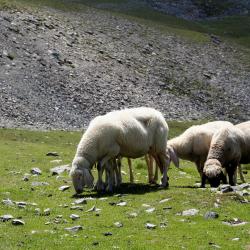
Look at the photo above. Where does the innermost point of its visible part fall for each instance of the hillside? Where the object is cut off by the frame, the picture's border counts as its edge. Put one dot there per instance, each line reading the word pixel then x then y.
pixel 60 67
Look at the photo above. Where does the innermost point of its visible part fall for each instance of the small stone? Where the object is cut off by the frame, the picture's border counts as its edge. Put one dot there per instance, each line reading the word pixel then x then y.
pixel 163 224
pixel 52 154
pixel 37 211
pixel 122 204
pixel 95 243
pixel 211 215
pixel 21 203
pixel 107 234
pixel 36 171
pixel 46 212
pixel 118 224
pixel 150 210
pixel 74 229
pixel 234 222
pixel 150 226
pixel 146 205
pixel 60 169
pixel 164 200
pixel 8 202
pixel 225 188
pixel 17 222
pixel 93 209
pixel 80 201
pixel 6 217
pixel 63 188
pixel 190 212
pixel 74 216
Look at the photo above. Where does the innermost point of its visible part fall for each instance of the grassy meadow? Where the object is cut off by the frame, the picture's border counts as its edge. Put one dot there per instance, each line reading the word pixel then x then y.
pixel 22 150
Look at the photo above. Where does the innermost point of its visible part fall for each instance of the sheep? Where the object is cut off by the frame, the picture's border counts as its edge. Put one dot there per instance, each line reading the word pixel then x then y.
pixel 245 158
pixel 227 150
pixel 193 144
pixel 128 133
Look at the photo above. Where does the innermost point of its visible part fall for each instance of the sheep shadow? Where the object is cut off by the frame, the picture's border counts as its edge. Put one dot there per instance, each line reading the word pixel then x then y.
pixel 124 189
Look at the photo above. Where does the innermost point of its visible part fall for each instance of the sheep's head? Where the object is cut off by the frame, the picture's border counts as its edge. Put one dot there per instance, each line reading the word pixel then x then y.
pixel 172 156
pixel 213 172
pixel 81 174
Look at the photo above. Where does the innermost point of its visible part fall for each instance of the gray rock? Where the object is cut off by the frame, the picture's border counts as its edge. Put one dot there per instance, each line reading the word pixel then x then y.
pixel 8 202
pixel 74 228
pixel 190 212
pixel 80 201
pixel 74 216
pixel 6 217
pixel 17 222
pixel 225 188
pixel 211 215
pixel 77 208
pixel 36 171
pixel 26 177
pixel 46 212
pixel 60 169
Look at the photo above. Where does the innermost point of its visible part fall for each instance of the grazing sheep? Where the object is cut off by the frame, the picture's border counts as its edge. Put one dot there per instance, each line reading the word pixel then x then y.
pixel 193 144
pixel 245 158
pixel 128 133
pixel 227 148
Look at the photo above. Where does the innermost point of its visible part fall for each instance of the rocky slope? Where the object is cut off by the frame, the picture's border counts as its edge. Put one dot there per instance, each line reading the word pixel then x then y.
pixel 60 69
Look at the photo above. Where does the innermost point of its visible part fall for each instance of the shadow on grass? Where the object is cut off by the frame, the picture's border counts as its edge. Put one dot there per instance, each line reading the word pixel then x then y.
pixel 125 188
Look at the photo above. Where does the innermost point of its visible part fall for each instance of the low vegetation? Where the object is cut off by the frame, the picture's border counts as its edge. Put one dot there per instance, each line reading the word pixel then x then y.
pixel 22 150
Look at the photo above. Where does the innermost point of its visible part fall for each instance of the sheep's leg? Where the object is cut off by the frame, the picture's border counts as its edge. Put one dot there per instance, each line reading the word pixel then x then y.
pixel 231 170
pixel 110 169
pixel 131 175
pixel 163 159
pixel 117 172
pixel 100 186
pixel 200 165
pixel 150 173
pixel 241 174
pixel 156 174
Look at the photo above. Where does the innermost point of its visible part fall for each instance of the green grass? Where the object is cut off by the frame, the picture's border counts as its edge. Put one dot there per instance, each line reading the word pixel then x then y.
pixel 22 150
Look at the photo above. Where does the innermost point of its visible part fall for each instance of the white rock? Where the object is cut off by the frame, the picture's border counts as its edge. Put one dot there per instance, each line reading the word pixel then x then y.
pixel 74 229
pixel 36 171
pixel 46 211
pixel 122 204
pixel 8 202
pixel 74 216
pixel 190 212
pixel 63 188
pixel 16 222
pixel 150 210
pixel 150 226
pixel 80 201
pixel 118 224
pixel 6 217
pixel 164 200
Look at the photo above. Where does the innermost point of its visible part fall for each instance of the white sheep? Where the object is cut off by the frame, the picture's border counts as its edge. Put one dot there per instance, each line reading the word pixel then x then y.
pixel 128 133
pixel 193 144
pixel 227 148
pixel 245 158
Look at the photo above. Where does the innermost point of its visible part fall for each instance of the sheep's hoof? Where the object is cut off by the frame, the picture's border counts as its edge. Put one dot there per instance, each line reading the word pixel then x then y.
pixel 99 187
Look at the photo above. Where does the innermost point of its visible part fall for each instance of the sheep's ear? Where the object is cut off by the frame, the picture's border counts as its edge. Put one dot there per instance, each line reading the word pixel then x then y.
pixel 88 178
pixel 173 156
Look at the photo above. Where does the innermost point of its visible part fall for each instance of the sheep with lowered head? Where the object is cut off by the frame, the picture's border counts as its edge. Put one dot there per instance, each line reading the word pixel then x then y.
pixel 226 151
pixel 128 133
pixel 193 144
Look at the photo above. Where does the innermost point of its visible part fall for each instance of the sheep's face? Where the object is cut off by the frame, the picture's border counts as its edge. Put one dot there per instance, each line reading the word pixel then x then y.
pixel 213 172
pixel 81 174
